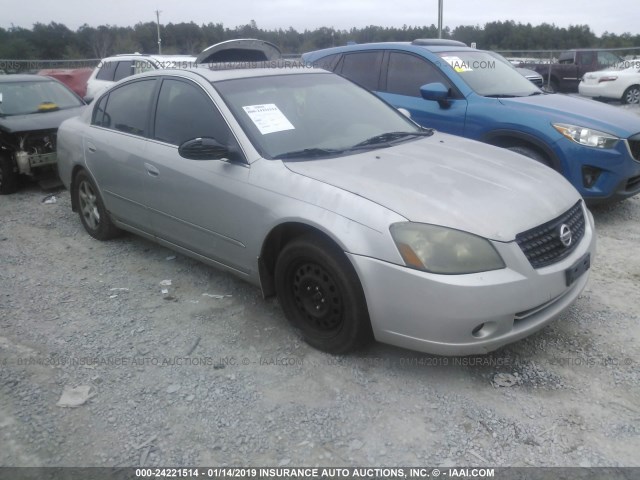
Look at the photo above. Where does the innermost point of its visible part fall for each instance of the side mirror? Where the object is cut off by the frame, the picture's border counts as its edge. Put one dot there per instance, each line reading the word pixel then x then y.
pixel 204 148
pixel 437 92
pixel 87 99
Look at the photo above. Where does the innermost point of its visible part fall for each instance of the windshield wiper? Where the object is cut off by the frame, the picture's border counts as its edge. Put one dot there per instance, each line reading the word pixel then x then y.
pixel 310 153
pixel 385 138
pixel 534 93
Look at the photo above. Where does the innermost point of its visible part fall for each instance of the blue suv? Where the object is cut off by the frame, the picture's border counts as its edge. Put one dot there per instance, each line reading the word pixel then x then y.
pixel 477 94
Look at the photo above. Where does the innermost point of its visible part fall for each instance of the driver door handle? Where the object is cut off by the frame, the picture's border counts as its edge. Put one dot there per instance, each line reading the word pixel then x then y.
pixel 151 170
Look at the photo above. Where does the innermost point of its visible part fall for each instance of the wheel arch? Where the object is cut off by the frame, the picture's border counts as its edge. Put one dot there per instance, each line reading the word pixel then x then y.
pixel 509 138
pixel 72 185
pixel 273 244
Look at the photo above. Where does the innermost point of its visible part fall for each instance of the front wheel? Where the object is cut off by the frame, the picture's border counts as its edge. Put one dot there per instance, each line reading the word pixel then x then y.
pixel 93 214
pixel 631 95
pixel 321 294
pixel 8 176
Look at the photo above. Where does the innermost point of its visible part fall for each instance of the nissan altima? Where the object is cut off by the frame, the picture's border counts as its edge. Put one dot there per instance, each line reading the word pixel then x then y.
pixel 365 225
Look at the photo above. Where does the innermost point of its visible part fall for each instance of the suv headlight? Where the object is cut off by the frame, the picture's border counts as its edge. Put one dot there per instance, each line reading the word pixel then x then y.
pixel 586 136
pixel 444 250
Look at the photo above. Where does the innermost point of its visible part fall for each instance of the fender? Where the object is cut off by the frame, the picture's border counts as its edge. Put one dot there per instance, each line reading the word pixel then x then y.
pixel 509 138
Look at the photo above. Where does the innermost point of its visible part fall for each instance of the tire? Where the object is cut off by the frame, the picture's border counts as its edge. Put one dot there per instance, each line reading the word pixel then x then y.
pixel 550 87
pixel 93 214
pixel 631 95
pixel 8 176
pixel 321 295
pixel 533 154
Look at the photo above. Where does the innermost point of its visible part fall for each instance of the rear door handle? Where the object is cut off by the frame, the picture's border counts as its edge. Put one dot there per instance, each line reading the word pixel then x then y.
pixel 91 147
pixel 151 170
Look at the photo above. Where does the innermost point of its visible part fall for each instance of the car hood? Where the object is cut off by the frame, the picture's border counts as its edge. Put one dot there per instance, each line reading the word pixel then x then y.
pixel 558 108
pixel 453 182
pixel 37 121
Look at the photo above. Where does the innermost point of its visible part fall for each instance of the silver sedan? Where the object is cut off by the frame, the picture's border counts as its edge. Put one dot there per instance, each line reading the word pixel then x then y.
pixel 364 224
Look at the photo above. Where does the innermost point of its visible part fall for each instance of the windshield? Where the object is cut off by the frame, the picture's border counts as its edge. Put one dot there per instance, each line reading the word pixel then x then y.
pixel 488 75
pixel 21 98
pixel 312 115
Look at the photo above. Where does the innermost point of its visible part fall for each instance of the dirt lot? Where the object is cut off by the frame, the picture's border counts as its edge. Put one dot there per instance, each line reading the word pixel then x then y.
pixel 210 374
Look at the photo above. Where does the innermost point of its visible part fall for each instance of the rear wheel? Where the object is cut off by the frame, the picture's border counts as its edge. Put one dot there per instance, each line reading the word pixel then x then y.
pixel 631 95
pixel 93 214
pixel 531 153
pixel 8 176
pixel 321 294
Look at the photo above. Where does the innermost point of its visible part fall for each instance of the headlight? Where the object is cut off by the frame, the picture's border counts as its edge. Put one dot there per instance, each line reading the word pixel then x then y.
pixel 610 78
pixel 444 250
pixel 586 136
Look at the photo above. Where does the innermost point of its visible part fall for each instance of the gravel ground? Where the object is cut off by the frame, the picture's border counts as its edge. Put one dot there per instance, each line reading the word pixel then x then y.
pixel 210 374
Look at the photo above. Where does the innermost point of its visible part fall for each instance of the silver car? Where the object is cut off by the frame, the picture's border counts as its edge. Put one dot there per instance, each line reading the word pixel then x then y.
pixel 364 224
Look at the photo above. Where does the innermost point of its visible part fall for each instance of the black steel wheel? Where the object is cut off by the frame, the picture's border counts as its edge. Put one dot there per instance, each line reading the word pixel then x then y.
pixel 321 295
pixel 93 214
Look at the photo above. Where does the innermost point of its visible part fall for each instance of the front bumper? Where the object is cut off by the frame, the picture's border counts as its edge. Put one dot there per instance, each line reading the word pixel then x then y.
pixel 27 161
pixel 468 314
pixel 617 171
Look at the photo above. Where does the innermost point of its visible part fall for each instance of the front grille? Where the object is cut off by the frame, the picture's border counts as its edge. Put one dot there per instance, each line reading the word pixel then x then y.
pixel 537 81
pixel 634 146
pixel 542 245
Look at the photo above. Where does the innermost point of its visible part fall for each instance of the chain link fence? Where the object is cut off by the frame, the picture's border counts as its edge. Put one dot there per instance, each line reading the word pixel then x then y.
pixel 618 57
pixel 9 66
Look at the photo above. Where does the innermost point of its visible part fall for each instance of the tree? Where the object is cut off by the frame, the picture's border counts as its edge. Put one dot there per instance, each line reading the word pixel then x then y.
pixel 54 40
pixel 51 41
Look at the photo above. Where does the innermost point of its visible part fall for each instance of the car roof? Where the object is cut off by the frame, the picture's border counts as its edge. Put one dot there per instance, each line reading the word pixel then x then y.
pixel 25 77
pixel 415 46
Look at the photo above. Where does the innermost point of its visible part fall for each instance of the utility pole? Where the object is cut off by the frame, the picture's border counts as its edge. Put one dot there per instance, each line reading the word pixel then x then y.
pixel 159 39
pixel 440 18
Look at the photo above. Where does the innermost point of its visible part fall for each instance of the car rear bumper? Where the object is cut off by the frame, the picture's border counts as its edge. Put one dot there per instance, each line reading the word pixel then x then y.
pixel 468 314
pixel 600 90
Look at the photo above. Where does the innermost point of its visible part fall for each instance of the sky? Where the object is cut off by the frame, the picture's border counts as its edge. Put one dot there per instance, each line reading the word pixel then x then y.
pixel 615 16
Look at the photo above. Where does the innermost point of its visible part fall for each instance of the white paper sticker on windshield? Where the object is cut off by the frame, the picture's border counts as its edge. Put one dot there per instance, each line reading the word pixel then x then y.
pixel 458 64
pixel 268 118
